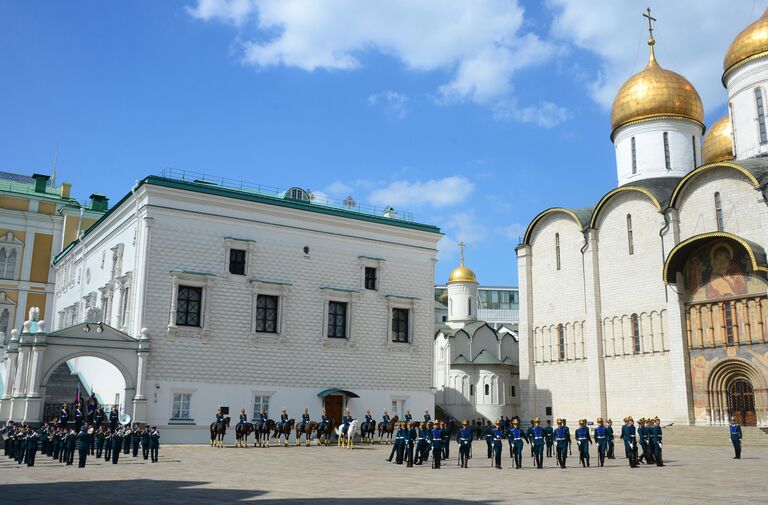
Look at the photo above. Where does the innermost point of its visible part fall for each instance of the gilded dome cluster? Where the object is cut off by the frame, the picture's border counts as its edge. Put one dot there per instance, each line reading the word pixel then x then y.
pixel 748 45
pixel 718 142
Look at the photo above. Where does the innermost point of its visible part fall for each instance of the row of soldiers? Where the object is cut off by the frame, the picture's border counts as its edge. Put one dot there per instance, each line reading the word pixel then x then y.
pixel 21 443
pixel 413 442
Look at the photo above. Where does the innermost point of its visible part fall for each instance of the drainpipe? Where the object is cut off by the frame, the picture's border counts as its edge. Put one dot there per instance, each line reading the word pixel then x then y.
pixel 663 254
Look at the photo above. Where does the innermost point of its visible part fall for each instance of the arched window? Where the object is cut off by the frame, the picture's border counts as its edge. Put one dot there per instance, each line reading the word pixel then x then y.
pixel 728 317
pixel 4 321
pixel 3 262
pixel 761 115
pixel 733 126
pixel 487 390
pixel 630 237
pixel 634 156
pixel 10 266
pixel 557 250
pixel 719 213
pixel 560 342
pixel 667 162
pixel 635 334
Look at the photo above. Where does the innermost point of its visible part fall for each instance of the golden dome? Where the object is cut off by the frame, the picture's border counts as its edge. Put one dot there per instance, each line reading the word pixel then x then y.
pixel 752 41
pixel 718 142
pixel 462 273
pixel 655 92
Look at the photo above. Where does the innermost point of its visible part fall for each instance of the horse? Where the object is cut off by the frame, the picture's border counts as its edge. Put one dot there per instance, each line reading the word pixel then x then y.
pixel 349 434
pixel 308 429
pixel 241 433
pixel 367 431
pixel 262 433
pixel 387 429
pixel 286 430
pixel 324 434
pixel 218 430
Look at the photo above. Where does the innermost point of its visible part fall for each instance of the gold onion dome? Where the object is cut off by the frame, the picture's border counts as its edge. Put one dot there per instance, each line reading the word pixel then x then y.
pixel 462 273
pixel 751 42
pixel 655 93
pixel 718 142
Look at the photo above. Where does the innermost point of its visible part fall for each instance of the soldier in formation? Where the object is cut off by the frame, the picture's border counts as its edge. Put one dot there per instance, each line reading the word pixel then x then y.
pixel 464 439
pixel 583 439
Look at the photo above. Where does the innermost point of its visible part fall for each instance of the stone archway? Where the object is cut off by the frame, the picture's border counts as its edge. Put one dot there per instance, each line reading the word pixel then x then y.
pixel 736 389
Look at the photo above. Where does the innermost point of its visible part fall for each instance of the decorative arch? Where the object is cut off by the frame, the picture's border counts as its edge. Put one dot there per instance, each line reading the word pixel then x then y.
pixel 128 376
pixel 542 215
pixel 673 201
pixel 620 190
pixel 722 375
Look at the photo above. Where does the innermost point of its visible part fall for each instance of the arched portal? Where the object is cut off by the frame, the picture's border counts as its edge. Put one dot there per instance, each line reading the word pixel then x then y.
pixel 741 402
pixel 736 389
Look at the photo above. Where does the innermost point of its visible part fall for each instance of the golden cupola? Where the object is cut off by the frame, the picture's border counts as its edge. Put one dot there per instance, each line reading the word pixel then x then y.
pixel 718 142
pixel 462 273
pixel 653 93
pixel 750 44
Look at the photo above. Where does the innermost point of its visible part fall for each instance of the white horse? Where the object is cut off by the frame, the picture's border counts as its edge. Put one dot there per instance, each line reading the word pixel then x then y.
pixel 349 434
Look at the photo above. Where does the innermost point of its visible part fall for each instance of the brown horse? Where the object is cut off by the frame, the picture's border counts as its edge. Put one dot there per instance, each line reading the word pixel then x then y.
pixel 307 432
pixel 285 431
pixel 262 435
pixel 218 431
pixel 241 433
pixel 324 435
pixel 387 429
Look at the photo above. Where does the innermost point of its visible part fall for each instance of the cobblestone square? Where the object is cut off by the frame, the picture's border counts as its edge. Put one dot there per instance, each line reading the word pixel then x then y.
pixel 332 475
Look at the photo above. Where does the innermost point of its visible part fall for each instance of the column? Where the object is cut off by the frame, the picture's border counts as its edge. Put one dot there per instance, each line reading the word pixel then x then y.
pixel 594 337
pixel 528 400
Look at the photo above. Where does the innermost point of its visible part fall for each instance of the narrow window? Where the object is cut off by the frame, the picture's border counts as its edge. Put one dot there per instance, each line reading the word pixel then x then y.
pixel 634 156
pixel 695 160
pixel 667 162
pixel 266 313
pixel 469 306
pixel 189 302
pixel 337 320
pixel 630 238
pixel 4 322
pixel 635 334
pixel 124 311
pixel 181 403
pixel 761 115
pixel 400 325
pixel 557 250
pixel 719 213
pixel 733 126
pixel 487 390
pixel 237 261
pixel 512 390
pixel 370 278
pixel 471 389
pixel 728 318
pixel 560 341
pixel 3 263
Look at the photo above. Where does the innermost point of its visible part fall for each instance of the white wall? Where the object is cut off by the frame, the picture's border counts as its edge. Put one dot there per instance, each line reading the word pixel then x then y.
pixel 741 86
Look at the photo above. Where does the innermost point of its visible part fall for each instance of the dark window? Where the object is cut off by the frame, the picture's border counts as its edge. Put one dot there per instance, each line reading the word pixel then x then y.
pixel 695 160
pixel 400 325
pixel 560 341
pixel 188 304
pixel 469 305
pixel 337 320
pixel 548 411
pixel 719 213
pixel 728 316
pixel 667 161
pixel 237 261
pixel 557 250
pixel 487 389
pixel 635 334
pixel 634 156
pixel 370 278
pixel 471 389
pixel 512 390
pixel 266 313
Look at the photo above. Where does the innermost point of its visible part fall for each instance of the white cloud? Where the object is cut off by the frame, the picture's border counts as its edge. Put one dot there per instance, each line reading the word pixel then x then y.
pixel 481 43
pixel 338 189
pixel 691 39
pixel 511 232
pixel 394 104
pixel 545 114
pixel 434 192
pixel 465 227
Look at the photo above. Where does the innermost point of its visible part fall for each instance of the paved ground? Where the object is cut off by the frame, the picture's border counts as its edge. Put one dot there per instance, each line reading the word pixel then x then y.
pixel 332 475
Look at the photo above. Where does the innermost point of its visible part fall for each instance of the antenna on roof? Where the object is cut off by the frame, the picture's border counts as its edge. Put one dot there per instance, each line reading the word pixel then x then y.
pixel 55 159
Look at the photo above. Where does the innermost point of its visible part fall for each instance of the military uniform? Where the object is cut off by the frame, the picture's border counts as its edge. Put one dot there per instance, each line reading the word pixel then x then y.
pixel 113 419
pixel 427 417
pixel 78 419
pixel 437 446
pixel 413 434
pixel 108 445
pixel 304 421
pixel 63 417
pixel 516 438
pixel 70 444
pixel 401 439
pixel 656 437
pixel 464 439
pixel 117 445
pixel 243 418
pixel 422 444
pixel 83 445
pixel 408 417
pixel 154 444
pixel 445 437
pixel 135 440
pixel 99 436
pixel 630 443
pixel 582 441
pixel 735 433
pixel 498 437
pixel 562 441
pixel 488 434
pixel 537 440
pixel 145 441
pixel 33 438
pixel 609 429
pixel 601 439
pixel 642 435
pixel 549 434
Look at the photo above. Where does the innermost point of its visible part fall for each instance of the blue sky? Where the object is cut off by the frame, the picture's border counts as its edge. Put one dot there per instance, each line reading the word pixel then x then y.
pixel 475 116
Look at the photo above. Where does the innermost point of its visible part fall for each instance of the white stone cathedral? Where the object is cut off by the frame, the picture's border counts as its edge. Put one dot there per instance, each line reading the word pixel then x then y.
pixel 653 300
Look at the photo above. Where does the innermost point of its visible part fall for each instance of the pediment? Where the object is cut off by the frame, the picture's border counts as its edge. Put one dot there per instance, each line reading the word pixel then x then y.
pixel 10 238
pixel 108 333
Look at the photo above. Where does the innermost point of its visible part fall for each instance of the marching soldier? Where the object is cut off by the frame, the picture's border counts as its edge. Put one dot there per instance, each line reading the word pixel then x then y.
pixel 651 446
pixel 83 445
pixel 44 440
pixel 154 443
pixel 437 445
pixel 422 444
pixel 127 435
pixel 582 441
pixel 398 448
pixel 99 441
pixel 656 436
pixel 570 441
pixel 516 437
pixel 529 434
pixel 64 416
pixel 71 444
pixel 488 435
pixel 601 439
pixel 609 430
pixel 642 440
pixel 630 443
pixel 498 437
pixel 549 433
pixel 413 434
pixel 464 438
pixel 445 437
pixel 539 436
pixel 735 432
pixel 136 439
pixel 21 444
pixel 145 441
pixel 562 442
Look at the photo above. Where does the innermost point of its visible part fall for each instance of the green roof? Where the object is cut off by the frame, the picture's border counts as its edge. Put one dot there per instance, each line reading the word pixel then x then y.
pixel 16 184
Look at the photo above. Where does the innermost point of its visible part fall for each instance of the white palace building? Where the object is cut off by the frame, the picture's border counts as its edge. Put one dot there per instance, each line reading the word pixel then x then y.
pixel 654 300
pixel 205 296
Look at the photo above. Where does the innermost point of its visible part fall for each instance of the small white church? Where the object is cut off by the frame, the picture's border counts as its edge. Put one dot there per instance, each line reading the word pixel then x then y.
pixel 476 372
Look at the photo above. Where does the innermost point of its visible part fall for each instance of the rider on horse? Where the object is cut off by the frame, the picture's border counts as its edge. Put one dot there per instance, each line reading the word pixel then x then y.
pixel 243 417
pixel 219 417
pixel 408 416
pixel 304 419
pixel 323 421
pixel 262 419
pixel 283 419
pixel 385 418
pixel 369 418
pixel 345 420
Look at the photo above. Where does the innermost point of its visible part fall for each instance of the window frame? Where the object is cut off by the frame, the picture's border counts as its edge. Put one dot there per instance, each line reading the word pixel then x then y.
pixel 557 252
pixel 695 154
pixel 266 310
pixel 762 129
pixel 242 244
pixel 394 333
pixel 667 156
pixel 366 279
pixel 561 343
pixel 630 236
pixel 635 333
pixel 278 289
pixel 13 247
pixel 262 396
pixel 173 419
pixel 201 280
pixel 719 217
pixel 351 298
pixel 199 312
pixel 371 262
pixel 634 155
pixel 337 304
pixel 729 323
pixel 242 264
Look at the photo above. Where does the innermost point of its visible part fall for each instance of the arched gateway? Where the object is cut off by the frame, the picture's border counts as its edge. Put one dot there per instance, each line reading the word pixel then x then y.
pixel 32 356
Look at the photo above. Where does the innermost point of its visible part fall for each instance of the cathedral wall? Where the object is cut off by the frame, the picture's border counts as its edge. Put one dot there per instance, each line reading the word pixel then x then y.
pixel 561 386
pixel 742 102
pixel 638 385
pixel 744 212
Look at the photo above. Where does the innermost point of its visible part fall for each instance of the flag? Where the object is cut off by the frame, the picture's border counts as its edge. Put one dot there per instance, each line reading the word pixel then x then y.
pixel 77 395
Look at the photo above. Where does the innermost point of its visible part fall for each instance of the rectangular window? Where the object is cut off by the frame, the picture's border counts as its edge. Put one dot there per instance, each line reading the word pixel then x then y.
pixel 260 402
pixel 188 305
pixel 337 320
pixel 728 317
pixel 634 156
pixel 560 341
pixel 557 250
pixel 237 261
pixel 370 278
pixel 548 411
pixel 761 115
pixel 635 334
pixel 398 408
pixel 266 313
pixel 667 162
pixel 719 213
pixel 512 391
pixel 400 325
pixel 471 390
pixel 630 236
pixel 695 160
pixel 181 403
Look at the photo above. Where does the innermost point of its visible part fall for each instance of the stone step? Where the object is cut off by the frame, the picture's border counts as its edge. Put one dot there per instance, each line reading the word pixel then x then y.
pixel 713 436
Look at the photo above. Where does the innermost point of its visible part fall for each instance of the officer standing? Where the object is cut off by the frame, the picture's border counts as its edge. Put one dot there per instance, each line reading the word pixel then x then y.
pixel 488 434
pixel 657 439
pixel 630 443
pixel 413 434
pixel 609 430
pixel 71 442
pixel 154 443
pixel 562 441
pixel 601 439
pixel 98 417
pixel 539 436
pixel 422 447
pixel 549 437
pixel 136 439
pixel 516 437
pixel 78 418
pixel 464 438
pixel 582 441
pixel 99 436
pixel 529 434
pixel 113 418
pixel 445 436
pixel 145 441
pixel 44 440
pixel 64 416
pixel 83 445
pixel 735 432
pixel 437 445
